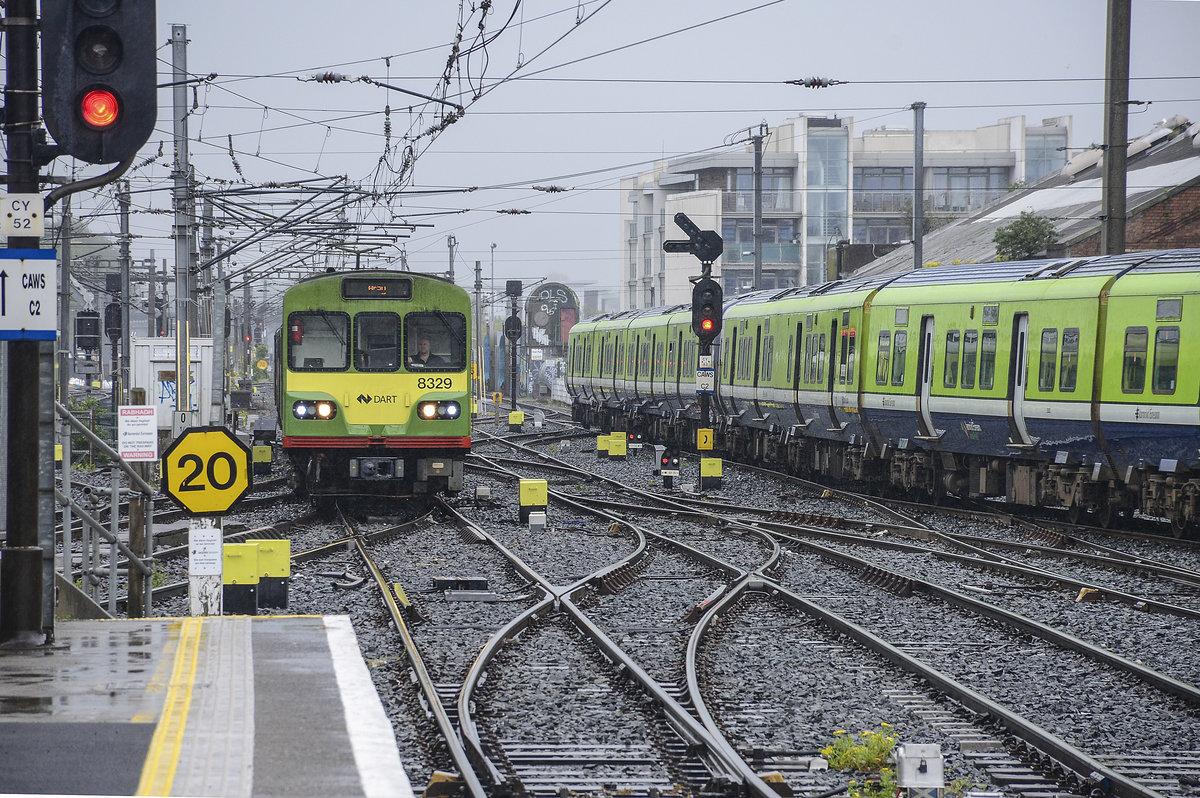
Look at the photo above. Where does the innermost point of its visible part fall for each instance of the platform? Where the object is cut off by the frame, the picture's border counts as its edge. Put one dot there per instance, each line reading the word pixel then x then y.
pixel 218 706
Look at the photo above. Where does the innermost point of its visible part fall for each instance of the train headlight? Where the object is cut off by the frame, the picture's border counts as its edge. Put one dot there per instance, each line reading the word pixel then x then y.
pixel 305 409
pixel 438 410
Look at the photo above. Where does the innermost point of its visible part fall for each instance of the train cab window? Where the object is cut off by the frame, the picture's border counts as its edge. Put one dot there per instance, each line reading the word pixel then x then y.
pixel 883 357
pixel 950 367
pixel 376 341
pixel 1048 359
pixel 987 360
pixel 1166 359
pixel 1133 367
pixel 318 340
pixel 899 354
pixel 1068 369
pixel 436 341
pixel 970 352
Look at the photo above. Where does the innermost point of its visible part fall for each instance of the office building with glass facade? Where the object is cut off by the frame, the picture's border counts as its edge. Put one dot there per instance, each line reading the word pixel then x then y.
pixel 820 185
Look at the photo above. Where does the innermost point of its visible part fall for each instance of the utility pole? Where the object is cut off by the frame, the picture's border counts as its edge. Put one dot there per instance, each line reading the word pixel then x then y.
pixel 479 333
pixel 491 358
pixel 918 231
pixel 207 317
pixel 126 293
pixel 183 399
pixel 758 233
pixel 65 340
pixel 21 572
pixel 151 298
pixel 1116 128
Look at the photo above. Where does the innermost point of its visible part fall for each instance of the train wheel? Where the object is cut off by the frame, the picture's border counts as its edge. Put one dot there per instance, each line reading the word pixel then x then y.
pixel 1075 512
pixel 1109 515
pixel 1179 522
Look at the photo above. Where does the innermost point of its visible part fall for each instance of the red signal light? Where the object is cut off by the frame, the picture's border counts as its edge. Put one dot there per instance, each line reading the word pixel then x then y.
pixel 100 108
pixel 706 325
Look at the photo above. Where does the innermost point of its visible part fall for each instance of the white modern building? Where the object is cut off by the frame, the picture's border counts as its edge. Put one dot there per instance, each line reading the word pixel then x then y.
pixel 820 185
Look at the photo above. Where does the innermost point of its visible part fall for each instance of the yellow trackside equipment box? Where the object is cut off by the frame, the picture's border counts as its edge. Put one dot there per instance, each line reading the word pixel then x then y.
pixel 262 458
pixel 534 494
pixel 515 419
pixel 602 445
pixel 617 446
pixel 274 572
pixel 239 577
pixel 710 472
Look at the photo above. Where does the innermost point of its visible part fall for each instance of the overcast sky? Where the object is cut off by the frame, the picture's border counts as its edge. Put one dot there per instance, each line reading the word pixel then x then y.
pixel 586 124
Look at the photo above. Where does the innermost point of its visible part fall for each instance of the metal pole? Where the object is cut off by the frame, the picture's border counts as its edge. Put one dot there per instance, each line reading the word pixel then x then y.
pixel 478 334
pixel 758 233
pixel 21 579
pixel 126 295
pixel 151 299
pixel 183 401
pixel 1116 128
pixel 451 241
pixel 512 359
pixel 492 381
pixel 65 338
pixel 918 231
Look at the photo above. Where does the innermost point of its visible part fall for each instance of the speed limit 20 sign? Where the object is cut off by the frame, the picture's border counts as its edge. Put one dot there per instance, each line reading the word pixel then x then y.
pixel 206 470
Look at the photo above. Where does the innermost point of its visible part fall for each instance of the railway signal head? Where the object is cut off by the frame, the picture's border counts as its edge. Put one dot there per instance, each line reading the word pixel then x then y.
pixel 707 299
pixel 100 76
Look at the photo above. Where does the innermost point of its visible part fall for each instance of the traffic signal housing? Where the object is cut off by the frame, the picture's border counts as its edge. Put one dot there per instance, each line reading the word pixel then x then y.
pixel 707 302
pixel 87 330
pixel 99 76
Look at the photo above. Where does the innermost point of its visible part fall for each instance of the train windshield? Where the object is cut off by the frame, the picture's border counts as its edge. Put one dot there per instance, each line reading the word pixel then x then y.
pixel 318 340
pixel 376 341
pixel 435 341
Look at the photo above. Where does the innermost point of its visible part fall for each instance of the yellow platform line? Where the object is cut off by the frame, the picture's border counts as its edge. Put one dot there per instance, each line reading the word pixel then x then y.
pixel 158 772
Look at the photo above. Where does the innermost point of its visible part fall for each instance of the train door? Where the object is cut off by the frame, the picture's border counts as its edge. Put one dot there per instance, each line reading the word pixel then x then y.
pixel 1017 373
pixel 757 366
pixel 731 360
pixel 675 375
pixel 831 373
pixel 636 393
pixel 925 377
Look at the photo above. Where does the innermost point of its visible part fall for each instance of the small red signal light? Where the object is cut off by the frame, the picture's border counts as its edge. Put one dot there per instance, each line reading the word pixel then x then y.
pixel 707 324
pixel 100 108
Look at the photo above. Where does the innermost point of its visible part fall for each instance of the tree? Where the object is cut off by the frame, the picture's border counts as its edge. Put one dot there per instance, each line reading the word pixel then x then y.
pixel 1028 235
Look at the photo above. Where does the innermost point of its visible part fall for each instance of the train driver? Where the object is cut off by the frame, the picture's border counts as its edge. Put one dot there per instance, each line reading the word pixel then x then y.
pixel 424 355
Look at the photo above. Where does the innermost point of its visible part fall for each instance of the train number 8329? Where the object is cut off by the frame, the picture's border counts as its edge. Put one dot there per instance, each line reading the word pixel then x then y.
pixel 434 383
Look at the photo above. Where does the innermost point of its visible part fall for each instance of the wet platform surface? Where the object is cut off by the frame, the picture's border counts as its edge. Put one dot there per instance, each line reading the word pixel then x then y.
pixel 219 706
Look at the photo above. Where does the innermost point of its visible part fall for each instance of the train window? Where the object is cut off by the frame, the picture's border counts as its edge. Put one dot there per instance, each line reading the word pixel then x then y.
pixel 899 353
pixel 318 340
pixel 644 365
pixel 436 341
pixel 987 360
pixel 901 317
pixel 883 357
pixel 1068 370
pixel 991 314
pixel 1166 359
pixel 844 359
pixel 1048 360
pixel 629 364
pixel 1133 368
pixel 820 362
pixel 672 371
pixel 376 341
pixel 1169 309
pixel 970 351
pixel 768 357
pixel 950 367
pixel 850 362
pixel 658 359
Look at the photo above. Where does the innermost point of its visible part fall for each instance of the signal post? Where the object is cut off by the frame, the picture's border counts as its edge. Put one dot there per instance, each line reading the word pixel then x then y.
pixel 707 304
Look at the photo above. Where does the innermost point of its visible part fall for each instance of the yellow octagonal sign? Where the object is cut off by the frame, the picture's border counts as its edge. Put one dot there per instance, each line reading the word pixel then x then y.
pixel 206 470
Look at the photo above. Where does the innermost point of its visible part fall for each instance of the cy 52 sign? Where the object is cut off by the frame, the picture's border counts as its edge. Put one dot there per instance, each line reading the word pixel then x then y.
pixel 206 470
